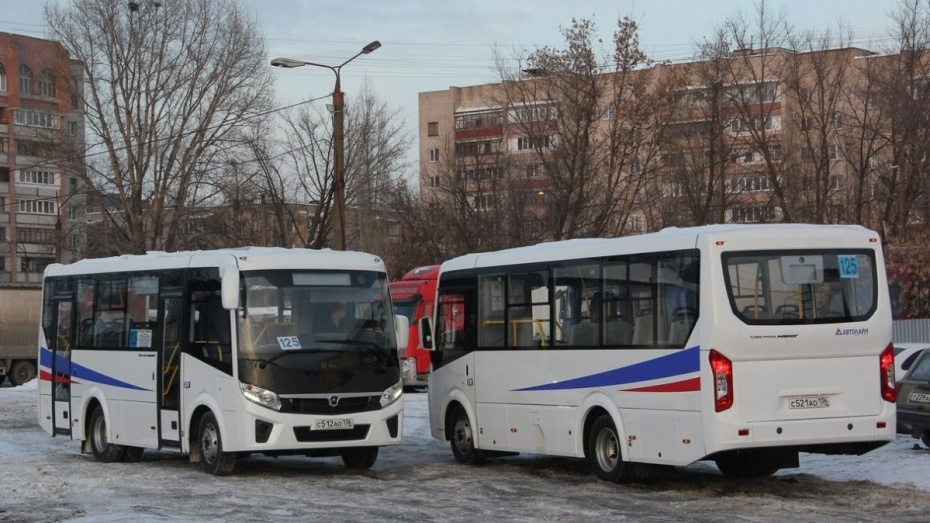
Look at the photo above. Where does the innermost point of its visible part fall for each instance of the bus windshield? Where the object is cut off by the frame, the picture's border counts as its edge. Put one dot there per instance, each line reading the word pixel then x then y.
pixel 296 321
pixel 801 286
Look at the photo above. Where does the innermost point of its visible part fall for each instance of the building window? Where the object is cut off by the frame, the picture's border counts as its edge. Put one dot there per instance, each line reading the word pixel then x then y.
pixel 836 122
pixel 5 174
pixel 2 78
pixel 432 129
pixel 610 113
pixel 527 143
pixel 40 149
pixel 479 120
pixel 636 223
pixel 48 207
pixel 75 96
pixel 37 236
pixel 29 264
pixel 37 177
pixel 33 118
pixel 25 80
pixel 836 152
pixel 47 83
pixel 837 181
pixel 748 214
pixel 3 261
pixel 72 128
pixel 434 181
pixel 433 155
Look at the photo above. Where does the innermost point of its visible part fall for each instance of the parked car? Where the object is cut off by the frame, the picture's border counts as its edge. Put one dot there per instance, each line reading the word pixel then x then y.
pixel 914 399
pixel 904 356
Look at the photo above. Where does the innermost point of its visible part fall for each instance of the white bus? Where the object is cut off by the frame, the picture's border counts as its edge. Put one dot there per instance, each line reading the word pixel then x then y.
pixel 734 343
pixel 221 354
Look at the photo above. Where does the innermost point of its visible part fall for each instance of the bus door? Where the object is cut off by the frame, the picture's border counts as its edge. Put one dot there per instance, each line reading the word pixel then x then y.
pixel 59 340
pixel 170 305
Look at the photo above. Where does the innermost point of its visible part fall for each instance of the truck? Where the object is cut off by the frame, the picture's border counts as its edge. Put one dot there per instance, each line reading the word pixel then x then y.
pixel 19 331
pixel 413 297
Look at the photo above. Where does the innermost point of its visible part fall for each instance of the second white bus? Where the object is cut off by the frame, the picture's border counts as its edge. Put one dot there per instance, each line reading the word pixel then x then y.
pixel 740 344
pixel 221 354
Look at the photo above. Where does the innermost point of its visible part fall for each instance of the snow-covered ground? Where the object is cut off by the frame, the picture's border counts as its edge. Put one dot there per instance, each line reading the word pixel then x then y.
pixel 47 479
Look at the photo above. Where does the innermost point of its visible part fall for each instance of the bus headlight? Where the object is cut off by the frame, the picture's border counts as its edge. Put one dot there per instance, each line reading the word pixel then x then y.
pixel 261 396
pixel 391 394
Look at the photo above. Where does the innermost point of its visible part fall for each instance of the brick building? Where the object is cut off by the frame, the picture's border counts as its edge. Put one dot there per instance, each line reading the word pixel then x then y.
pixel 40 125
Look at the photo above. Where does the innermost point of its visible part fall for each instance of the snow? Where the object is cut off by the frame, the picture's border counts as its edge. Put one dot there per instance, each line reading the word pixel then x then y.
pixel 44 478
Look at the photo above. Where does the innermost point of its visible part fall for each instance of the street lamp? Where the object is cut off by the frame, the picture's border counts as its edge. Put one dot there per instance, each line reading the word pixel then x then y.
pixel 339 228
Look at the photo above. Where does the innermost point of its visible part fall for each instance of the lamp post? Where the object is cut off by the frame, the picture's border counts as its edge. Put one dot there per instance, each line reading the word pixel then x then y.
pixel 339 226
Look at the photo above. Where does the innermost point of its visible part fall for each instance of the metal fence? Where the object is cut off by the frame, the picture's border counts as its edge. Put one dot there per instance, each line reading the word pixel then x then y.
pixel 911 331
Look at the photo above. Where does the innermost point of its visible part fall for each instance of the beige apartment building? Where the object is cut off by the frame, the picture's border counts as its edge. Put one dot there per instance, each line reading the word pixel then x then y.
pixel 758 136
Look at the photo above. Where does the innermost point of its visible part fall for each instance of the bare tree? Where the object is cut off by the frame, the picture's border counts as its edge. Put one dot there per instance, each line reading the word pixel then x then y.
pixel 902 90
pixel 167 86
pixel 296 172
pixel 593 123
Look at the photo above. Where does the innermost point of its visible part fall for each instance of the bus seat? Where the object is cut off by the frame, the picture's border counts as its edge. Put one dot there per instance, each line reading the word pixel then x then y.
pixel 584 333
pixel 643 333
pixel 786 311
pixel 618 332
pixel 681 326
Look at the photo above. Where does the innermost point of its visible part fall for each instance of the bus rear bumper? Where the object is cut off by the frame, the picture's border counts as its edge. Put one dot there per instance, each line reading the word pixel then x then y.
pixel 848 435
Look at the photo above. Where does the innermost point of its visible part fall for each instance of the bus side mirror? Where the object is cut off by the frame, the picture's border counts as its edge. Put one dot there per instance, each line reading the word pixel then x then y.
pixel 229 288
pixel 401 332
pixel 426 333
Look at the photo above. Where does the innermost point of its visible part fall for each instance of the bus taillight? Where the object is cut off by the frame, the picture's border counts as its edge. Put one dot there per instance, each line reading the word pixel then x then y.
pixel 886 361
pixel 722 368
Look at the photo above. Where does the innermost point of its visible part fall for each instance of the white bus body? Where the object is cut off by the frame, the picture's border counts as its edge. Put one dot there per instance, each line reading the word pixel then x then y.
pixel 738 344
pixel 222 353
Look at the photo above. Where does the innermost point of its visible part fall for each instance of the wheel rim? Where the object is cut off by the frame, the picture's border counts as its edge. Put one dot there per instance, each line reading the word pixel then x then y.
pixel 607 449
pixel 461 435
pixel 100 433
pixel 209 443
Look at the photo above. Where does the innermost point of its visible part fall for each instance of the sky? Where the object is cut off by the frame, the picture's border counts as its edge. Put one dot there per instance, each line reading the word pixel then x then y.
pixel 429 46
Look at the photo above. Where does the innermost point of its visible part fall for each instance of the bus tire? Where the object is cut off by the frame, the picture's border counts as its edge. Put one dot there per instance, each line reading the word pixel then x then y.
pixel 213 459
pixel 103 450
pixel 359 457
pixel 925 437
pixel 735 465
pixel 604 450
pixel 22 371
pixel 461 439
pixel 133 454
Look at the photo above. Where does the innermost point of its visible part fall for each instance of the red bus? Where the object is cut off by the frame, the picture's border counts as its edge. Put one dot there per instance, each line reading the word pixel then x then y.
pixel 413 297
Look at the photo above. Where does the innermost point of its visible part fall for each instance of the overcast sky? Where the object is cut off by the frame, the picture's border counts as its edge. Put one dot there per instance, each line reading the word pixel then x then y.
pixel 431 45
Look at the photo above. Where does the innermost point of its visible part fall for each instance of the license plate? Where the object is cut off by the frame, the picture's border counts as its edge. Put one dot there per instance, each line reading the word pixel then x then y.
pixel 333 424
pixel 920 397
pixel 808 402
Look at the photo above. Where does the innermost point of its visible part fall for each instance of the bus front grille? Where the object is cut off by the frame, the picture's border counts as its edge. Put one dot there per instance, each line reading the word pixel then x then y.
pixel 325 407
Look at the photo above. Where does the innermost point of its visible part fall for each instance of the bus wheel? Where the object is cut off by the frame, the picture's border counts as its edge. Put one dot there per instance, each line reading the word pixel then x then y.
pixel 212 457
pixel 133 454
pixel 22 371
pixel 359 457
pixel 604 450
pixel 103 450
pixel 925 437
pixel 462 439
pixel 746 466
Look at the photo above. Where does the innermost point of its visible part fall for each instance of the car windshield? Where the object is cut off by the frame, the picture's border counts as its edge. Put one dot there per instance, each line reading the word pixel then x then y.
pixel 801 286
pixel 921 370
pixel 292 312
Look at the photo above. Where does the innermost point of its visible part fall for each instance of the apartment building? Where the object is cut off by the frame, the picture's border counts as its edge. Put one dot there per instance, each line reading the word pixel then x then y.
pixel 764 135
pixel 41 124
